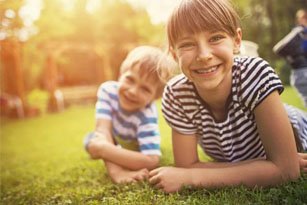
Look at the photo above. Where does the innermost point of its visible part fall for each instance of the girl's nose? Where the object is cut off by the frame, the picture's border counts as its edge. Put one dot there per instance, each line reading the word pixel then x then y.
pixel 204 53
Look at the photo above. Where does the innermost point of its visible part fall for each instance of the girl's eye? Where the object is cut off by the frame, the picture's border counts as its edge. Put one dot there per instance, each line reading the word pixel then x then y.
pixel 216 38
pixel 186 45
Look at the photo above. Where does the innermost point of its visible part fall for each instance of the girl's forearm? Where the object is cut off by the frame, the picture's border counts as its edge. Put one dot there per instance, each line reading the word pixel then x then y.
pixel 255 173
pixel 215 164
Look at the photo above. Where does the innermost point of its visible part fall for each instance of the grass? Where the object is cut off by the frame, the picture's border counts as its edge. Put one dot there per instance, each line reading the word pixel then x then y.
pixel 43 162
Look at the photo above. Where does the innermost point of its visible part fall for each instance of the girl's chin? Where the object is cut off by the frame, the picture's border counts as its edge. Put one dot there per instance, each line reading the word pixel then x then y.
pixel 207 85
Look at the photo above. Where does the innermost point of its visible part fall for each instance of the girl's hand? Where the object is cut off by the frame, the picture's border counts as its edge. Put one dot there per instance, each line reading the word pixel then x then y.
pixel 303 161
pixel 169 179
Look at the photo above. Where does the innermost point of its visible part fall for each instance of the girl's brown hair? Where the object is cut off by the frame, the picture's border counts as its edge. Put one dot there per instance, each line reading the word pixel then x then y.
pixel 193 16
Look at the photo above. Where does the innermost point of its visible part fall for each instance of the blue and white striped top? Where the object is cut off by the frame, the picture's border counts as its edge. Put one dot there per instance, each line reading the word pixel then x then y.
pixel 236 138
pixel 140 126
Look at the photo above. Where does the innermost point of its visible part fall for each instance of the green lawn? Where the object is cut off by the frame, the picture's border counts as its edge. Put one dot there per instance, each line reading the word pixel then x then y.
pixel 43 162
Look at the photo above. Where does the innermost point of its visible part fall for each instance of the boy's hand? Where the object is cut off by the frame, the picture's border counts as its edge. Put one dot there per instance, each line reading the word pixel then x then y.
pixel 303 161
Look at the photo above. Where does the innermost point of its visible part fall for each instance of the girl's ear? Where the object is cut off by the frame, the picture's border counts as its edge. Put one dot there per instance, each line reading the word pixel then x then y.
pixel 173 53
pixel 238 40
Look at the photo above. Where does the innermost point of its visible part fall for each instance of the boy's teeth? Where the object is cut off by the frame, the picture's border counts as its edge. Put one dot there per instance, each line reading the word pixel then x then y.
pixel 208 70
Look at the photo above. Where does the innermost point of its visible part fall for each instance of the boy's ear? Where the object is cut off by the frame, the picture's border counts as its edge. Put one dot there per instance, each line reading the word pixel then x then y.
pixel 238 39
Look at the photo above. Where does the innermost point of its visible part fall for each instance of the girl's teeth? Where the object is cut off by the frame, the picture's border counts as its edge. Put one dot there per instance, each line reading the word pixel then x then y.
pixel 202 71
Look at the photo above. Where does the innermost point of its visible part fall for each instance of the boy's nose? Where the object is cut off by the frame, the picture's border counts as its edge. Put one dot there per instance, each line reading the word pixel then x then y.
pixel 133 90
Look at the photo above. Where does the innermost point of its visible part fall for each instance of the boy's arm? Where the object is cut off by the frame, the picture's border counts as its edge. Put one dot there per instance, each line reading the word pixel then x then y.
pixel 128 159
pixel 105 149
pixel 281 164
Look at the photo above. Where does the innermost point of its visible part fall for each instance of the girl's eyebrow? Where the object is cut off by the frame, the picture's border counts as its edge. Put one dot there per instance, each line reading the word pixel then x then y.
pixel 185 37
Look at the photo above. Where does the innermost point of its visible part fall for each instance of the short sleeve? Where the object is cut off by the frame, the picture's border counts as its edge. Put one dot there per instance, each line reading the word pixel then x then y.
pixel 148 132
pixel 258 81
pixel 106 94
pixel 173 109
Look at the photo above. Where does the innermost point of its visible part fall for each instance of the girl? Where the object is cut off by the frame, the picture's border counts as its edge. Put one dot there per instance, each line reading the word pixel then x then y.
pixel 229 105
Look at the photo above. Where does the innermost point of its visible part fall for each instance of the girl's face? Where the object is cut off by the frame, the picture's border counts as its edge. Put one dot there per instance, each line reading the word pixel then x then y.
pixel 206 58
pixel 135 91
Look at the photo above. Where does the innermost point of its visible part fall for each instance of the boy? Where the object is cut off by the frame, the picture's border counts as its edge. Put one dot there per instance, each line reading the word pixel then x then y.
pixel 126 115
pixel 293 47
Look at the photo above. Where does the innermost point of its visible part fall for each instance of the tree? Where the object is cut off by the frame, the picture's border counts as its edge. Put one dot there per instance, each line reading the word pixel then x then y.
pixel 266 22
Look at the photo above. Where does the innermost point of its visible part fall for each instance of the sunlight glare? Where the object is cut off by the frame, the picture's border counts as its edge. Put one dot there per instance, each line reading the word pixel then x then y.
pixel 30 11
pixel 158 10
pixel 68 5
pixel 92 5
pixel 9 13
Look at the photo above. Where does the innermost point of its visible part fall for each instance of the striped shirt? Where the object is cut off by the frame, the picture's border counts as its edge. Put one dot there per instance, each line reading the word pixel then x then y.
pixel 236 138
pixel 140 126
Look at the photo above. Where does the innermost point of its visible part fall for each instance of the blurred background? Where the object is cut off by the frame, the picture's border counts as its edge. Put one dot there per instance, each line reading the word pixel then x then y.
pixel 59 51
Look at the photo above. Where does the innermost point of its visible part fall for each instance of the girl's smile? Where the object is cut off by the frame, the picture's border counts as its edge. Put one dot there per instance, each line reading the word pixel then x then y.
pixel 207 72
pixel 206 58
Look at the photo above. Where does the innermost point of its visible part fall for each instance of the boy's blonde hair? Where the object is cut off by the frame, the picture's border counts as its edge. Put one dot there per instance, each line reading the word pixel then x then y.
pixel 149 62
pixel 194 16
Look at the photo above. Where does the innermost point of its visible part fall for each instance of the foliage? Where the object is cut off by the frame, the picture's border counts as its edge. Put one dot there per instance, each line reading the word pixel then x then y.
pixel 43 162
pixel 109 32
pixel 116 27
pixel 266 22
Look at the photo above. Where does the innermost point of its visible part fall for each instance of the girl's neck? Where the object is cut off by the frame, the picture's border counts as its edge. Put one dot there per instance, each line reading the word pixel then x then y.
pixel 217 103
pixel 217 99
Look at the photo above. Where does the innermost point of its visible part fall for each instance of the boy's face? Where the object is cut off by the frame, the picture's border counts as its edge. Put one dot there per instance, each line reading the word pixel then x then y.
pixel 206 58
pixel 136 91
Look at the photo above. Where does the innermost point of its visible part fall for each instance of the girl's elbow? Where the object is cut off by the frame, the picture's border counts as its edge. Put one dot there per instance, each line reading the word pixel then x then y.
pixel 291 174
pixel 295 174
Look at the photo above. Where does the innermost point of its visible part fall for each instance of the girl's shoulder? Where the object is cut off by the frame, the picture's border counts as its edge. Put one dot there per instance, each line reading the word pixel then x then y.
pixel 254 79
pixel 179 82
pixel 247 61
pixel 178 79
pixel 251 66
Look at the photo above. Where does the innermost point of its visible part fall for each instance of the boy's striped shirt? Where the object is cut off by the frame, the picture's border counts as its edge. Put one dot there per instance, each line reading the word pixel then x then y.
pixel 140 126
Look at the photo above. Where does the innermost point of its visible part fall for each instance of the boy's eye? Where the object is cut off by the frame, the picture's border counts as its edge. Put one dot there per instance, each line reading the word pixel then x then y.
pixel 129 79
pixel 146 89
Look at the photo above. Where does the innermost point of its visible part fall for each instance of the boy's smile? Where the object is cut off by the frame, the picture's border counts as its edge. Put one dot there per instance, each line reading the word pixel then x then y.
pixel 135 91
